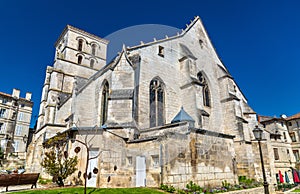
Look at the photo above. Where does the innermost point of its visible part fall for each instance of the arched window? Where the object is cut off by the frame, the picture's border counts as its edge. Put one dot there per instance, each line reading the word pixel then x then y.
pixel 205 90
pixel 206 96
pixel 79 60
pixel 80 43
pixel 94 46
pixel 156 103
pixel 92 63
pixel 104 103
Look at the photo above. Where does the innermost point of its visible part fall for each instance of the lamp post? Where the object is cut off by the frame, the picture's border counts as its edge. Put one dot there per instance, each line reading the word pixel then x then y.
pixel 258 136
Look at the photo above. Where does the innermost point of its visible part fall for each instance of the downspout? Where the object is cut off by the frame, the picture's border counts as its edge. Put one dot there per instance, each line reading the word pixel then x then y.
pixel 161 164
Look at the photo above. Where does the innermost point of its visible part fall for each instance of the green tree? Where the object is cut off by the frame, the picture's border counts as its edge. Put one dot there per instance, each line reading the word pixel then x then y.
pixel 57 161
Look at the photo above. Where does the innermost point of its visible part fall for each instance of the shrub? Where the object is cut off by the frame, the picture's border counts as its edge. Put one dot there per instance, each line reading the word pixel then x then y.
pixel 193 187
pixel 167 188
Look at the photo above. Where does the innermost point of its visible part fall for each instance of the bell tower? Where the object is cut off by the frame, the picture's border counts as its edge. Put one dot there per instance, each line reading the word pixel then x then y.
pixel 79 52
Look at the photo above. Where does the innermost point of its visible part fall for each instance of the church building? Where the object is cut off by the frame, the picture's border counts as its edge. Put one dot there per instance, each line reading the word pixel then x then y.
pixel 166 111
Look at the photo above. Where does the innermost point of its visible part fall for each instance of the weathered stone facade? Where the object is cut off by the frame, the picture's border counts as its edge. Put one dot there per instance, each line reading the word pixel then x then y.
pixel 133 102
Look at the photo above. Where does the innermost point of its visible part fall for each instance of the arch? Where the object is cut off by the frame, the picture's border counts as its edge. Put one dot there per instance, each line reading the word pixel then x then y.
pixel 80 44
pixel 79 59
pixel 157 102
pixel 94 48
pixel 104 102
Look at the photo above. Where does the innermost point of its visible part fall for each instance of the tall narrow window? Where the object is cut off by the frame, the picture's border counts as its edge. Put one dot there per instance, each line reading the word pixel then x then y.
pixel 2 113
pixel 21 116
pixel 156 103
pixel 2 128
pixel 18 130
pixel 80 42
pixel 94 46
pixel 79 59
pixel 92 63
pixel 276 154
pixel 206 98
pixel 205 90
pixel 104 103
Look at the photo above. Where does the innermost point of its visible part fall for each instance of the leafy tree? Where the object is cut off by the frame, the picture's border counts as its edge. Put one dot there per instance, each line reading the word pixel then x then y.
pixel 57 161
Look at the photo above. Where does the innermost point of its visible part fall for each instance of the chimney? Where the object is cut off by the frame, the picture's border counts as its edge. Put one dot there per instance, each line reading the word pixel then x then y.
pixel 28 96
pixel 16 93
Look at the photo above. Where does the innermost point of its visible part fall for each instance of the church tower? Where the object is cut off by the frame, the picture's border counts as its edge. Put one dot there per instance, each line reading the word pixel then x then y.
pixel 78 56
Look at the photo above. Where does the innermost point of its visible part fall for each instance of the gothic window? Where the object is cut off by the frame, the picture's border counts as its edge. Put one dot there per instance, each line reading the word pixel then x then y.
pixel 92 63
pixel 104 103
pixel 206 98
pixel 156 103
pixel 79 60
pixel 205 90
pixel 94 49
pixel 80 43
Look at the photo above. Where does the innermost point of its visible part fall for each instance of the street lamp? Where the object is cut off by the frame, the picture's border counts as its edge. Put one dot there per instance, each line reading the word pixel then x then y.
pixel 258 136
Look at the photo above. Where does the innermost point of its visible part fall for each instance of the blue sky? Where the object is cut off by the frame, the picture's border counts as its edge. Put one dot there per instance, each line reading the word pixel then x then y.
pixel 258 41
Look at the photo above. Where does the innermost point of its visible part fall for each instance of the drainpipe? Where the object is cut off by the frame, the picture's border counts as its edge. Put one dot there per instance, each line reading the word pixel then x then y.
pixel 161 164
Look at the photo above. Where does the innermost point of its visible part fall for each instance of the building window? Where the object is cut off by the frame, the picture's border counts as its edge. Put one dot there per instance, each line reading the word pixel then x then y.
pixel 155 160
pixel 104 103
pixel 284 135
pixel 18 130
pixel 206 96
pixel 293 137
pixel 94 46
pixel 21 116
pixel 2 128
pixel 205 90
pixel 4 100
pixel 156 103
pixel 2 113
pixel 80 43
pixel 290 123
pixel 79 61
pixel 16 145
pixel 92 63
pixel 296 154
pixel 276 155
pixel 288 152
pixel 161 51
pixel 129 160
pixel 281 124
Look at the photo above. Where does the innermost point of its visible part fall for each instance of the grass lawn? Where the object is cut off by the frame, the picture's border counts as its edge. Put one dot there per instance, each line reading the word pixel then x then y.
pixel 79 190
pixel 296 190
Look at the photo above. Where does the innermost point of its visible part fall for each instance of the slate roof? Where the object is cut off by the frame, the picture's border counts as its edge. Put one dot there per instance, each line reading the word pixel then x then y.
pixel 182 116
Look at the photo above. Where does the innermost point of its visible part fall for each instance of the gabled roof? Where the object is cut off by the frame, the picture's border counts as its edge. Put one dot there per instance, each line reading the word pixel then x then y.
pixel 296 116
pixel 182 116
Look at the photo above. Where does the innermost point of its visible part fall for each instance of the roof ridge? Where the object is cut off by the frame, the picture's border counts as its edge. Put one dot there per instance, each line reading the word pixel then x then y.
pixel 183 32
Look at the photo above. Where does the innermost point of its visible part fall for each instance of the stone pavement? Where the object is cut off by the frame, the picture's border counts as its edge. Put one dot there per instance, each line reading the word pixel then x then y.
pixel 18 188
